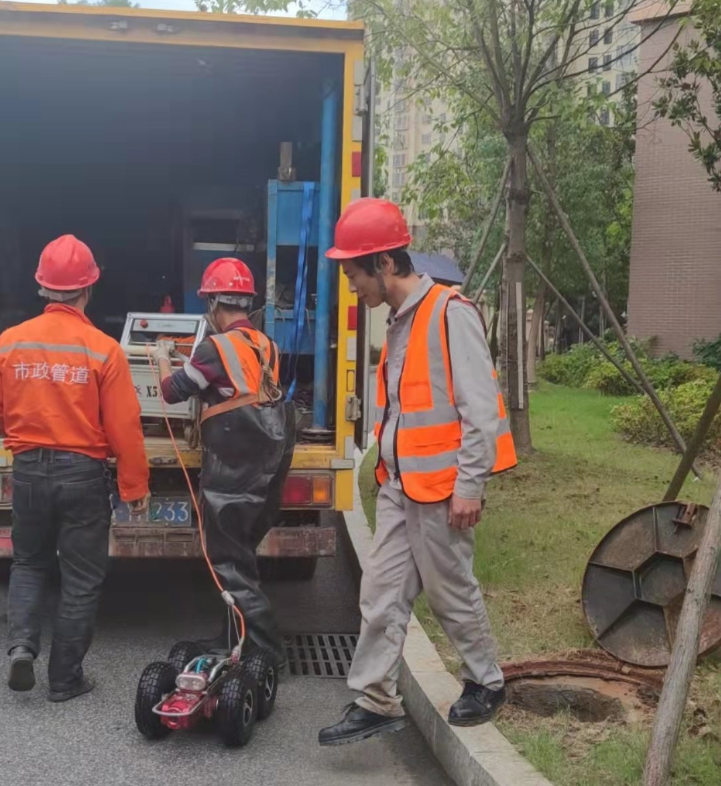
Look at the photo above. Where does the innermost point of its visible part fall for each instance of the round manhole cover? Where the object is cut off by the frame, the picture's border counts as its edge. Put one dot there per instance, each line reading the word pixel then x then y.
pixel 635 582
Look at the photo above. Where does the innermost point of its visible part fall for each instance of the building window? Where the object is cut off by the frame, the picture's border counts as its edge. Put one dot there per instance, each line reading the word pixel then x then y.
pixel 426 139
pixel 399 178
pixel 401 106
pixel 592 65
pixel 442 118
pixel 622 80
pixel 606 88
pixel 607 62
pixel 594 37
pixel 399 142
pixel 591 89
pixel 608 37
pixel 625 55
pixel 596 10
pixel 427 119
pixel 401 123
pixel 608 10
pixel 604 116
pixel 399 159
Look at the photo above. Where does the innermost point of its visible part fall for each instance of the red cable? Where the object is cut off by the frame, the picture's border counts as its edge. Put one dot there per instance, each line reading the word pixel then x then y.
pixel 201 531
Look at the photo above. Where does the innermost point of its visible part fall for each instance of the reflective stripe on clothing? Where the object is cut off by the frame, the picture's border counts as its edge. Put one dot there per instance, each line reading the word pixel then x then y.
pixel 428 432
pixel 48 347
pixel 65 385
pixel 241 361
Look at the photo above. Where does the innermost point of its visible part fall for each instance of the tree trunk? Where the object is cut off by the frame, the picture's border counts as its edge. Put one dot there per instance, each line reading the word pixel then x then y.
pixel 513 345
pixel 669 715
pixel 539 310
pixel 583 319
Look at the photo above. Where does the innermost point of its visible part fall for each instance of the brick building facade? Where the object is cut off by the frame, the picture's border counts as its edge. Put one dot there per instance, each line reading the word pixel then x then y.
pixel 675 275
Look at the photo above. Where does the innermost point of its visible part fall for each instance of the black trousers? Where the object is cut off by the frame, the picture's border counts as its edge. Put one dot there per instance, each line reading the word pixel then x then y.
pixel 61 515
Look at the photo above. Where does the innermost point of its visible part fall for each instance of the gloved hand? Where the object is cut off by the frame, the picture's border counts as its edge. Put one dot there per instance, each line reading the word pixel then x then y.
pixel 138 506
pixel 162 351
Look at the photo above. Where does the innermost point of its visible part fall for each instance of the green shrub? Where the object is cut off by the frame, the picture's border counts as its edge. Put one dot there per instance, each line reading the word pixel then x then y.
pixel 638 420
pixel 571 368
pixel 607 379
pixel 708 352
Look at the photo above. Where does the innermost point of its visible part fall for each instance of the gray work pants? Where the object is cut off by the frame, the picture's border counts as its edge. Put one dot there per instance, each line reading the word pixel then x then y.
pixel 414 549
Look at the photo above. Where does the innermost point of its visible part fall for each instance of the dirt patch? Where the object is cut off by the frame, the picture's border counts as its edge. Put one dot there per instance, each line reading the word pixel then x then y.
pixel 588 699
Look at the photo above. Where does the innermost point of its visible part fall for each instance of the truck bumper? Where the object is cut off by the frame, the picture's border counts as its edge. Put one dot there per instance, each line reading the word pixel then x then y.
pixel 184 542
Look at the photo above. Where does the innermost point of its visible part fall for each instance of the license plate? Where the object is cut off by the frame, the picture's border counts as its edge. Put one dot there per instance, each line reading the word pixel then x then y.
pixel 163 510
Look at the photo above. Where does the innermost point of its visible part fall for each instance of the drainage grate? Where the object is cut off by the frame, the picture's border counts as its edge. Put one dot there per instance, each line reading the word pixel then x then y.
pixel 326 655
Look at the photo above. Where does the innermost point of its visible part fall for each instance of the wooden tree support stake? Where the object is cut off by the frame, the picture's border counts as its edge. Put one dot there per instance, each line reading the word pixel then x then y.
pixel 479 292
pixel 584 327
pixel 669 715
pixel 487 229
pixel 694 446
pixel 617 329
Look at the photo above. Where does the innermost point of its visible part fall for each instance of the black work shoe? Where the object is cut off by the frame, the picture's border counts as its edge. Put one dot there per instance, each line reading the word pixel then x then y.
pixel 83 686
pixel 477 705
pixel 22 675
pixel 359 724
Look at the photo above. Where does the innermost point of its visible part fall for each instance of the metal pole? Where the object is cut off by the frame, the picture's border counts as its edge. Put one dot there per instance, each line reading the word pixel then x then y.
pixel 329 146
pixel 694 446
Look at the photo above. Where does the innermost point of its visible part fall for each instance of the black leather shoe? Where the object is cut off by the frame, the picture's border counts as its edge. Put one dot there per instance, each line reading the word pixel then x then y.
pixel 80 688
pixel 22 674
pixel 477 705
pixel 359 724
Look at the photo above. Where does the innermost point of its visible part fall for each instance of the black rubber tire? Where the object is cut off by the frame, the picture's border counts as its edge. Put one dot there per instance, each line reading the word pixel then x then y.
pixel 237 708
pixel 182 653
pixel 263 665
pixel 288 568
pixel 156 681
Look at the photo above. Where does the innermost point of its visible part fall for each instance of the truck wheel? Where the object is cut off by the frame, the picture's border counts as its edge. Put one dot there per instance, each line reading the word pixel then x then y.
pixel 288 569
pixel 182 653
pixel 156 681
pixel 263 665
pixel 237 708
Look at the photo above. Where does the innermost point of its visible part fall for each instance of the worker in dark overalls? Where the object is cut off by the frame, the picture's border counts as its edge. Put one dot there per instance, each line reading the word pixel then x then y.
pixel 247 436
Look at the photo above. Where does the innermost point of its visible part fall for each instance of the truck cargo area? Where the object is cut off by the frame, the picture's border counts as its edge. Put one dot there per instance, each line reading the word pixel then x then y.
pixel 161 158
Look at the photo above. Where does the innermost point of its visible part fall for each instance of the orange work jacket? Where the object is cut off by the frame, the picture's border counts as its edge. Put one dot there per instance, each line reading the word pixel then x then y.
pixel 65 385
pixel 429 433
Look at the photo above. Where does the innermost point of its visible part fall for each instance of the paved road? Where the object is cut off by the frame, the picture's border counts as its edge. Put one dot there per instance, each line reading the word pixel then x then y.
pixel 93 741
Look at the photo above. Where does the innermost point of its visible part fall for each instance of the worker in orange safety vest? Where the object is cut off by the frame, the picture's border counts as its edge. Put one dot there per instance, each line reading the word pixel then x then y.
pixel 248 435
pixel 442 431
pixel 67 404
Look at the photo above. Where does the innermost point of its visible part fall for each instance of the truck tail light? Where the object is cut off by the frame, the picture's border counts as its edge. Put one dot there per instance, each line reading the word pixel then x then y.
pixel 6 488
pixel 306 489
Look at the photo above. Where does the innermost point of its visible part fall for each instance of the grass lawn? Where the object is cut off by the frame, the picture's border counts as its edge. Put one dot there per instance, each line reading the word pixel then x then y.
pixel 542 522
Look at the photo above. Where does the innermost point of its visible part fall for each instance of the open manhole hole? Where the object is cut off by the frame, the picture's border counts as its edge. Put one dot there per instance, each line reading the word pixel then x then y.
pixel 587 699
pixel 326 655
pixel 588 684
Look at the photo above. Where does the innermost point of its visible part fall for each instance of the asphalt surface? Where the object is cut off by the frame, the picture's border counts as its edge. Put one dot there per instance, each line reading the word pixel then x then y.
pixel 93 740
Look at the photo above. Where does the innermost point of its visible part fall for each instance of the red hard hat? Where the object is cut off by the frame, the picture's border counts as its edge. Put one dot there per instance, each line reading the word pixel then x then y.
pixel 369 226
pixel 67 264
pixel 227 275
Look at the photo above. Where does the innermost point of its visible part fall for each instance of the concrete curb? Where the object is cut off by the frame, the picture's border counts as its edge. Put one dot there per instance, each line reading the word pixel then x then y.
pixel 477 756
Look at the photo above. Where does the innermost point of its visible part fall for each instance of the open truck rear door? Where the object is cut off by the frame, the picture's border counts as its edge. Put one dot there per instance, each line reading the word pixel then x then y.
pixel 363 370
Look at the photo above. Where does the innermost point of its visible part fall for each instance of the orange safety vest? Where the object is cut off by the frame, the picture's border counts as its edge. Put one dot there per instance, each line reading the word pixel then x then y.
pixel 241 362
pixel 428 433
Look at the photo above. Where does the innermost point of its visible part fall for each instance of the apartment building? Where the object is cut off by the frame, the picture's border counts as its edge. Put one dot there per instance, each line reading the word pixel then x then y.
pixel 608 51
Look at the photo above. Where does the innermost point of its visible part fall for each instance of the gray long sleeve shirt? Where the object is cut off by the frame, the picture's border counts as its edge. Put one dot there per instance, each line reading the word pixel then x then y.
pixel 474 389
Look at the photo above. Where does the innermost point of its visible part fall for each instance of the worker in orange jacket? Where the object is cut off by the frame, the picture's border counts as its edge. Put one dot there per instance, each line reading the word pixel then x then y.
pixel 67 404
pixel 442 431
